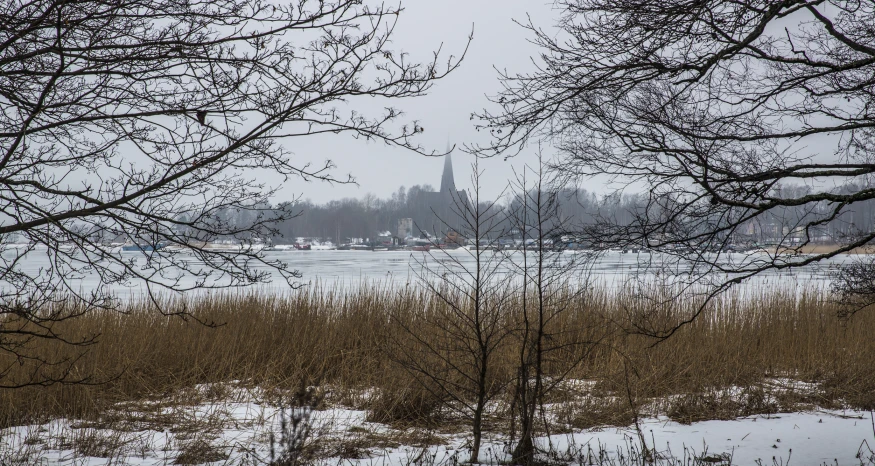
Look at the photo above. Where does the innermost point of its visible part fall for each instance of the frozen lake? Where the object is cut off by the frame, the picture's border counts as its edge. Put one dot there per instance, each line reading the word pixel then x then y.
pixel 352 268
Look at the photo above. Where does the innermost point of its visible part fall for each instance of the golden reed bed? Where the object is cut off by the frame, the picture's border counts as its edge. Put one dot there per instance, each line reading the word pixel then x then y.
pixel 349 341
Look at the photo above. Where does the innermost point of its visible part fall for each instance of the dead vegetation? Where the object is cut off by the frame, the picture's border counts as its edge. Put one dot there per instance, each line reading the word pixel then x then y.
pixel 758 353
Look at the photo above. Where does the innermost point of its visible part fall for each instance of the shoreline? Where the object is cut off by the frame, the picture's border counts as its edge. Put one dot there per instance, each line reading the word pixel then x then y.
pixel 814 249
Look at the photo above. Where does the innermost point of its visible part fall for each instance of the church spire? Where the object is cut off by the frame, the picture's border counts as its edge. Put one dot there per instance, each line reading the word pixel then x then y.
pixel 447 182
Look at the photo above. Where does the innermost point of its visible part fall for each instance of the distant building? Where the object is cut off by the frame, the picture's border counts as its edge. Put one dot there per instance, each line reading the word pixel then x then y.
pixel 405 228
pixel 444 206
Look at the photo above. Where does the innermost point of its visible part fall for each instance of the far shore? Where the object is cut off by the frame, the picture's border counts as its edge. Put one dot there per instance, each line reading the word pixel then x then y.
pixel 821 249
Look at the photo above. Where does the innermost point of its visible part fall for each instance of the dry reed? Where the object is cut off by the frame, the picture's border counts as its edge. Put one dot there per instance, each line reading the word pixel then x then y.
pixel 346 341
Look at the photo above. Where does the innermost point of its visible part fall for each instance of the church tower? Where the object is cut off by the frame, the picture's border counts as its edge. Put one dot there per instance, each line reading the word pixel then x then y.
pixel 443 211
pixel 448 184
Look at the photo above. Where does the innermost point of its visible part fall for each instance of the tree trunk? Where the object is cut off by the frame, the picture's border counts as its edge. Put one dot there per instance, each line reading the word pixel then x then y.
pixel 478 434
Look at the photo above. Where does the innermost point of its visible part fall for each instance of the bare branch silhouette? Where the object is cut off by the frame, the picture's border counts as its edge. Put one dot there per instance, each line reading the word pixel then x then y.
pixel 146 121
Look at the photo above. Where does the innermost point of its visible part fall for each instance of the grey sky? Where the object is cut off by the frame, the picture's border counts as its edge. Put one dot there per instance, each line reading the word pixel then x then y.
pixel 445 112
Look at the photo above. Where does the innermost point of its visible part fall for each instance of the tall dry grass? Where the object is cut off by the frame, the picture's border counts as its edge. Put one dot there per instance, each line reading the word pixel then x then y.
pixel 349 341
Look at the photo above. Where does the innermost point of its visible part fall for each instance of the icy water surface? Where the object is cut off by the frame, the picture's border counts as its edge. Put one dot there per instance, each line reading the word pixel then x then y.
pixel 394 268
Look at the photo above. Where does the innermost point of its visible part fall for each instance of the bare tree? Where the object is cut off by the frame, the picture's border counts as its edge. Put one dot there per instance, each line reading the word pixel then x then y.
pixel 714 109
pixel 549 281
pixel 854 286
pixel 144 121
pixel 456 344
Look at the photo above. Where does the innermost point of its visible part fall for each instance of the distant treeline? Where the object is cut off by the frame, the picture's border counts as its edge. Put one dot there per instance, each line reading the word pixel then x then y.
pixel 365 216
pixel 368 215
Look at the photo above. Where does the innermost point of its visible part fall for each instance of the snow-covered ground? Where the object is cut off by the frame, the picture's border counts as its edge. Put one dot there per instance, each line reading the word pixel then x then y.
pixel 798 438
pixel 814 438
pixel 239 429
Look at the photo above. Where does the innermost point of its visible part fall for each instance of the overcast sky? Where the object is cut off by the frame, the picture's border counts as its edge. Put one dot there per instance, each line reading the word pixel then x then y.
pixel 445 112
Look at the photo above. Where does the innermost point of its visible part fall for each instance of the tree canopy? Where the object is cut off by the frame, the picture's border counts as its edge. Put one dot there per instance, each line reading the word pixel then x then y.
pixel 144 119
pixel 715 108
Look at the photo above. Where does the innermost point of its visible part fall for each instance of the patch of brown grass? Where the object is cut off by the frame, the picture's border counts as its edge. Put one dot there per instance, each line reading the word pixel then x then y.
pixel 200 451
pixel 347 341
